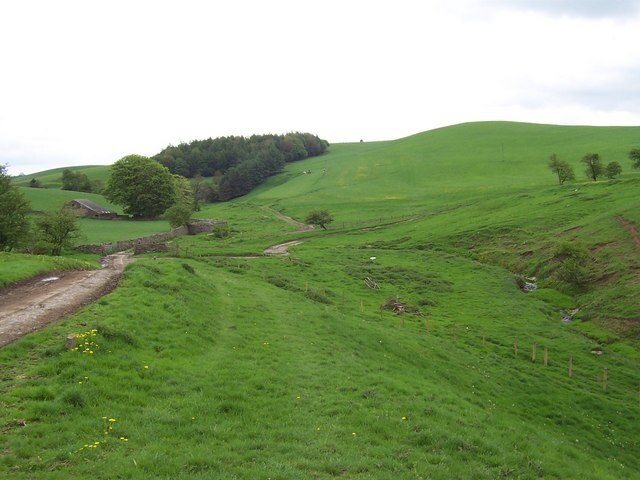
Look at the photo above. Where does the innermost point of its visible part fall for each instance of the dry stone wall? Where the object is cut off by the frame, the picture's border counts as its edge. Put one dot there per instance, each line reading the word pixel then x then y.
pixel 146 244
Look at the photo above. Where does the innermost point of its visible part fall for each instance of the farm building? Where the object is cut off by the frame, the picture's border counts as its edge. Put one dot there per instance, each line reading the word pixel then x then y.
pixel 89 209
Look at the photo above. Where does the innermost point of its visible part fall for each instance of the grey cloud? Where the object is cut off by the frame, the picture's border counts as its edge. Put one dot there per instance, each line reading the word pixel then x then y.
pixel 621 94
pixel 576 8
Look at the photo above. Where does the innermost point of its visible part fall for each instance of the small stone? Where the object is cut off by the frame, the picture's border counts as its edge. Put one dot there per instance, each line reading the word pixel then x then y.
pixel 72 341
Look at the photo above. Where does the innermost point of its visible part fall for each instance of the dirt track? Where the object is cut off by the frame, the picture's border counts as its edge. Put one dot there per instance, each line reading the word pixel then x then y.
pixel 630 227
pixel 281 248
pixel 42 300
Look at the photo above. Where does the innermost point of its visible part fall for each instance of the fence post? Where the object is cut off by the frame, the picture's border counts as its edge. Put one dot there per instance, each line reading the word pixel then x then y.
pixel 605 379
pixel 546 356
pixel 570 365
pixel 426 325
pixel 515 346
pixel 533 353
pixel 483 343
pixel 453 331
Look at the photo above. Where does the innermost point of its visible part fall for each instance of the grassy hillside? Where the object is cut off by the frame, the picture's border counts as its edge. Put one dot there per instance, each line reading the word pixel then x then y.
pixel 53 178
pixel 222 363
pixel 441 167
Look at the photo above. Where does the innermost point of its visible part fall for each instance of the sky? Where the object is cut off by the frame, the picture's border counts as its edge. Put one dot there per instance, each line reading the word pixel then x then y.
pixel 88 82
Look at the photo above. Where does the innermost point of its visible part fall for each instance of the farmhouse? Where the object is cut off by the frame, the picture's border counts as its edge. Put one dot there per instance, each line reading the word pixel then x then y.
pixel 86 208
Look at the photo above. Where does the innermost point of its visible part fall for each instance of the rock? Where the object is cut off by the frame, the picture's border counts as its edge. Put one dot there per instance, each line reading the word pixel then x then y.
pixel 71 342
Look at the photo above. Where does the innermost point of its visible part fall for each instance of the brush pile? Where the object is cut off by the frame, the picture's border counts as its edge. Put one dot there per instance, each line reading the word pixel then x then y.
pixel 398 307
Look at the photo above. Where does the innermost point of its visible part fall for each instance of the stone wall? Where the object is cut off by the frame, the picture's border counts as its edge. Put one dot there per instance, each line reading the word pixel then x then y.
pixel 148 243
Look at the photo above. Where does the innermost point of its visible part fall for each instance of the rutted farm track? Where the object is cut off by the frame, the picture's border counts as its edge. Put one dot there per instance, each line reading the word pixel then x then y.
pixel 630 227
pixel 31 305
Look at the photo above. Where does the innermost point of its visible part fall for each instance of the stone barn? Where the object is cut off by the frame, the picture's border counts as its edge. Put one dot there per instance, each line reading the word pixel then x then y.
pixel 88 209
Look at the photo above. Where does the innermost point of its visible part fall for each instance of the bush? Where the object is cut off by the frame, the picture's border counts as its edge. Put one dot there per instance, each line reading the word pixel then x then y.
pixel 573 258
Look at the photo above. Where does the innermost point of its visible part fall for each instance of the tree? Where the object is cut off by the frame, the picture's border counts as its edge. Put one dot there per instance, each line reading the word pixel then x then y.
pixel 634 156
pixel 76 181
pixel 322 218
pixel 58 230
pixel 594 166
pixel 561 168
pixel 180 212
pixel 143 187
pixel 35 183
pixel 613 169
pixel 14 208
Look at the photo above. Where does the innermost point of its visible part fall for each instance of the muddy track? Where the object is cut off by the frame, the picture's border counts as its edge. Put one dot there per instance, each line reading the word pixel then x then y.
pixel 31 305
pixel 630 227
pixel 281 248
pixel 300 227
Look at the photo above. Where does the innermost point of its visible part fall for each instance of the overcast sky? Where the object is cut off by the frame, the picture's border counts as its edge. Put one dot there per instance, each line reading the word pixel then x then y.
pixel 87 82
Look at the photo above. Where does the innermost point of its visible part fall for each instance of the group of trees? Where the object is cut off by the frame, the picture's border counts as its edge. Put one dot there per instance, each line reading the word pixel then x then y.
pixel 48 233
pixel 237 163
pixel 79 182
pixel 594 167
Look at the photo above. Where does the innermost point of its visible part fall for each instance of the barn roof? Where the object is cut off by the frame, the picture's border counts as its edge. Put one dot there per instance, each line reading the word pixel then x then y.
pixel 93 206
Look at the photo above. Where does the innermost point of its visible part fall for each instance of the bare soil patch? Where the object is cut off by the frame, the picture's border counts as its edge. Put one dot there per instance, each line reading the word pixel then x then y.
pixel 32 304
pixel 281 248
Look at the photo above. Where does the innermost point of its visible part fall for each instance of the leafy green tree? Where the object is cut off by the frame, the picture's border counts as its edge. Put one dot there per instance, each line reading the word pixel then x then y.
pixel 321 218
pixel 58 230
pixel 594 167
pixel 178 215
pixel 180 212
pixel 204 191
pixel 35 183
pixel 76 181
pixel 14 208
pixel 634 156
pixel 561 168
pixel 613 169
pixel 143 187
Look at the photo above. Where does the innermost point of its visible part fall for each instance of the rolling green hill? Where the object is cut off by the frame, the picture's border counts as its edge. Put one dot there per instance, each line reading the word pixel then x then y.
pixel 459 163
pixel 219 362
pixel 53 178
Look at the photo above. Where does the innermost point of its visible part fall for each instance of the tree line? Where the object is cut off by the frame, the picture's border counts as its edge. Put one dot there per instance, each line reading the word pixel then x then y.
pixel 594 166
pixel 237 164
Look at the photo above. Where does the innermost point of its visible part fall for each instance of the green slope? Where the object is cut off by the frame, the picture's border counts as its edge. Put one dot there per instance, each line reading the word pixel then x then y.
pixel 440 167
pixel 214 365
pixel 53 178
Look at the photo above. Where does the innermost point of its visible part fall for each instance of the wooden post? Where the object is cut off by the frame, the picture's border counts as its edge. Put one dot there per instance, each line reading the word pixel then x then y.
pixel 546 356
pixel 605 379
pixel 570 366
pixel 454 332
pixel 361 306
pixel 533 353
pixel 515 346
pixel 426 325
pixel 483 343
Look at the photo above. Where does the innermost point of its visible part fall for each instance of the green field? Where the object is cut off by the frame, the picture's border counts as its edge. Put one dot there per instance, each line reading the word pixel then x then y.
pixel 53 178
pixel 94 231
pixel 223 363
